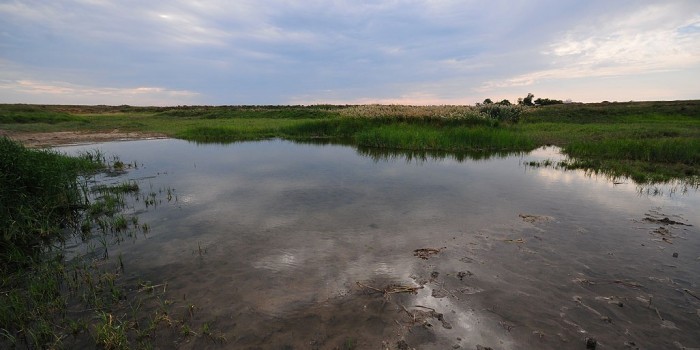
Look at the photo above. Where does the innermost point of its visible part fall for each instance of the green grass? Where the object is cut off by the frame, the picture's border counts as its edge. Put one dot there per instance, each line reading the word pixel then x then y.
pixel 452 139
pixel 26 114
pixel 661 132
pixel 645 160
pixel 647 141
pixel 111 332
pixel 38 194
pixel 40 199
pixel 125 187
pixel 660 150
pixel 612 113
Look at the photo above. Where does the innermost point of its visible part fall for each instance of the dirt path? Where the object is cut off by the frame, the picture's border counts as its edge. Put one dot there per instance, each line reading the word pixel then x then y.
pixel 60 138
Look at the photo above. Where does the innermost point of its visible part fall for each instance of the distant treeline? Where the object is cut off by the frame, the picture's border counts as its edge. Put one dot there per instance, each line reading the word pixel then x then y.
pixel 526 101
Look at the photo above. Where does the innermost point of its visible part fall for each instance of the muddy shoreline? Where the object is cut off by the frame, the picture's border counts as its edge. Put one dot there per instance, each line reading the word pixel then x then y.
pixel 65 138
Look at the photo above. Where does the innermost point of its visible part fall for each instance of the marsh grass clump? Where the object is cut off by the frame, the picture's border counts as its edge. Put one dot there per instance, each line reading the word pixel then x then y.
pixel 643 160
pixel 39 196
pixel 40 203
pixel 107 201
pixel 453 139
pixel 122 188
pixel 659 150
pixel 111 332
pixel 339 128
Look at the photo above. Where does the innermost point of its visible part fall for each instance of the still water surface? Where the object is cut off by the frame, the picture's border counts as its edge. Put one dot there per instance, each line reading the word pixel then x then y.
pixel 270 239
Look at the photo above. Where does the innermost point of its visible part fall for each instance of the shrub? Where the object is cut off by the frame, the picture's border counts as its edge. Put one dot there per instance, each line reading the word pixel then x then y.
pixel 501 113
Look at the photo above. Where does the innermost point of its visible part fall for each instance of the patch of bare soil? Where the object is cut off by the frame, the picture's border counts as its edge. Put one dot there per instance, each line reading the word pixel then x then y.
pixel 62 138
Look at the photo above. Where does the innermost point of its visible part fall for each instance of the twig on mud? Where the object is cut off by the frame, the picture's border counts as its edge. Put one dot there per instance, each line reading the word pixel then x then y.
pixel 628 284
pixel 425 307
pixel 404 326
pixel 631 284
pixel 691 293
pixel 151 288
pixel 401 289
pixel 369 287
pixel 392 289
pixel 658 314
pixel 413 316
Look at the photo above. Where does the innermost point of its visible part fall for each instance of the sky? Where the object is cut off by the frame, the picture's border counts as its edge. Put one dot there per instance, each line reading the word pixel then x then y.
pixel 419 52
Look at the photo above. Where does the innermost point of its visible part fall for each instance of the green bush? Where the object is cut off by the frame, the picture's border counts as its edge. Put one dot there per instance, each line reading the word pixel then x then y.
pixel 501 112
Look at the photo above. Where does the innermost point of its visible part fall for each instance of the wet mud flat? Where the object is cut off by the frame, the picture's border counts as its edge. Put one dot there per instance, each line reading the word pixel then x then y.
pixel 283 246
pixel 501 288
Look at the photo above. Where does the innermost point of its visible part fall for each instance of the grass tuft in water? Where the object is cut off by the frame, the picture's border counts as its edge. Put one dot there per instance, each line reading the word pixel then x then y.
pixel 643 160
pixel 666 150
pixel 111 333
pixel 456 139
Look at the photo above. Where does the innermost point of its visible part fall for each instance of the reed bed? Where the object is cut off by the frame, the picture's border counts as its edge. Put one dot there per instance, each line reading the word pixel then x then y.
pixel 404 112
pixel 651 160
pixel 460 139
pixel 656 150
pixel 433 113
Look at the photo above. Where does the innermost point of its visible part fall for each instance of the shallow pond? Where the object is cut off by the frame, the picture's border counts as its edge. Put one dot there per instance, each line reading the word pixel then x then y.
pixel 287 246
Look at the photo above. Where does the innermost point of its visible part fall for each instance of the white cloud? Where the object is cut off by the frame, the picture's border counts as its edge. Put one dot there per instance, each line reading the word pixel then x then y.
pixel 67 93
pixel 415 99
pixel 391 50
pixel 649 40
